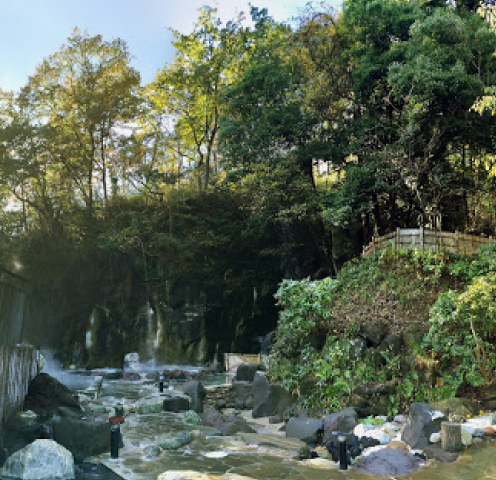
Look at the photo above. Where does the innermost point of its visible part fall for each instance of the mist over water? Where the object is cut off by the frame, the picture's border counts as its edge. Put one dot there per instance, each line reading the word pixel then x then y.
pixel 54 368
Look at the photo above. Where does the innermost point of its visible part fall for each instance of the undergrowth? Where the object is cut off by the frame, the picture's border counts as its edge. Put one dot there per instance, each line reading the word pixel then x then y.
pixel 452 297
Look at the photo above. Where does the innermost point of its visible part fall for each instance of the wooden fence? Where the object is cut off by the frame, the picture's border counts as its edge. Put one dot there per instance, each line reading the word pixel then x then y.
pixel 18 365
pixel 12 301
pixel 426 239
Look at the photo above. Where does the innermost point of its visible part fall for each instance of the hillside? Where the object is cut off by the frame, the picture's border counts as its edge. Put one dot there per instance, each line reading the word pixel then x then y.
pixel 411 319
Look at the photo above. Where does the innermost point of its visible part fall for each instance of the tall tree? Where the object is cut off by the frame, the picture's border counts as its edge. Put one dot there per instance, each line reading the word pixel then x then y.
pixel 188 92
pixel 76 100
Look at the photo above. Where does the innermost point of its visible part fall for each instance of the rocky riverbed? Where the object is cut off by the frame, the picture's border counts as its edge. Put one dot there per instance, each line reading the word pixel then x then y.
pixel 230 440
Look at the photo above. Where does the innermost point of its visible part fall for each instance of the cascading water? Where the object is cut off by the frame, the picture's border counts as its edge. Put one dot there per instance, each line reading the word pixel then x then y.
pixel 151 340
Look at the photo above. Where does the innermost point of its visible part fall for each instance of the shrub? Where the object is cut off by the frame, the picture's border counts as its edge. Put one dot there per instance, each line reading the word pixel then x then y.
pixel 463 330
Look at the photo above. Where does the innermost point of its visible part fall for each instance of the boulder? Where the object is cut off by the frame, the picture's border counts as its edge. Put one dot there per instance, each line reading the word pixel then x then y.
pixel 246 372
pixel 176 402
pixel 423 420
pixel 388 462
pixel 457 409
pixel 178 440
pixel 391 345
pixel 373 332
pixel 343 421
pixel 269 400
pixel 192 418
pixel 435 452
pixel 40 460
pixel 19 431
pixel 46 394
pixel 227 424
pixel 196 391
pixel 84 437
pixel 150 405
pixel 243 394
pixel 308 430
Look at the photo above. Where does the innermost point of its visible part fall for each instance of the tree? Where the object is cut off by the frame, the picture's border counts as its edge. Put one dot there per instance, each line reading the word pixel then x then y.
pixel 76 101
pixel 188 92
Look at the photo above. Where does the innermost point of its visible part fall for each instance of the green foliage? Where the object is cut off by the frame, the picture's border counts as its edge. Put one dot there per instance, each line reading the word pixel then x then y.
pixel 314 354
pixel 463 331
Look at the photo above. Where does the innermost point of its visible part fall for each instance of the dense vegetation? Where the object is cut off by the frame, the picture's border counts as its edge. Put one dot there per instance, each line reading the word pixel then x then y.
pixel 440 306
pixel 259 153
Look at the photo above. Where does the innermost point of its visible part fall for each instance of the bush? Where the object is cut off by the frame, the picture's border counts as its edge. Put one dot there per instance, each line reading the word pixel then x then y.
pixel 463 330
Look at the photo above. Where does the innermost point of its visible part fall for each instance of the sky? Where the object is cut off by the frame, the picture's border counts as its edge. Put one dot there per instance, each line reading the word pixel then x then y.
pixel 31 30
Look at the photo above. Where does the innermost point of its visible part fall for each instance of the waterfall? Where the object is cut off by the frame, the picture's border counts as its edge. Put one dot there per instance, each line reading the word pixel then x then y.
pixel 151 336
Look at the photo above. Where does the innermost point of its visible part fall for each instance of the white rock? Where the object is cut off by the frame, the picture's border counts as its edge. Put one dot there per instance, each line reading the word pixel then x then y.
pixel 40 460
pixel 435 437
pixel 216 454
pixel 437 414
pixel 320 463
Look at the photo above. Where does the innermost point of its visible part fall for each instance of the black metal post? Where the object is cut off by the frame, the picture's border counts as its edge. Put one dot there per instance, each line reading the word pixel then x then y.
pixel 115 430
pixel 115 435
pixel 342 453
pixel 161 384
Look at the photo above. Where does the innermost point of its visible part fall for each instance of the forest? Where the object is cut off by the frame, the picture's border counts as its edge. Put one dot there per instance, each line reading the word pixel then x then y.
pixel 262 152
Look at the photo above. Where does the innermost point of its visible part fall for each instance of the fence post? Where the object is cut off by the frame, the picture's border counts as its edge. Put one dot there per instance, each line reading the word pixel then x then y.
pixel 397 240
pixel 422 238
pixel 457 248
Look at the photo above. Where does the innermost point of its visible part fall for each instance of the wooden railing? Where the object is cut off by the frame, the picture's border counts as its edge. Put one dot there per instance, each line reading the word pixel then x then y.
pixel 426 239
pixel 18 365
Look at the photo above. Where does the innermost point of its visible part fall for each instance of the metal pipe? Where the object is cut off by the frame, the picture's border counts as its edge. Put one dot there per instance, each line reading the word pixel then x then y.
pixel 115 435
pixel 342 453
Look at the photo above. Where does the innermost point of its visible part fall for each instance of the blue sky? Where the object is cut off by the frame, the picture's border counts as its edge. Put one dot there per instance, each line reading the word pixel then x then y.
pixel 31 30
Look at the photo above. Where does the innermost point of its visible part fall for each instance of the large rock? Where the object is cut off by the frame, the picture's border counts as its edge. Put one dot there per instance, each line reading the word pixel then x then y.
pixel 175 401
pixel 46 394
pixel 373 333
pixel 343 421
pixel 243 394
pixel 457 409
pixel 269 400
pixel 196 391
pixel 175 441
pixel 389 462
pixel 423 420
pixel 246 372
pixel 40 460
pixel 19 431
pixel 150 405
pixel 84 437
pixel 435 452
pixel 227 424
pixel 307 429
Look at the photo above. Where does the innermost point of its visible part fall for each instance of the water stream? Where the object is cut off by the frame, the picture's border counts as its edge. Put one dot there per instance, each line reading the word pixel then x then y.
pixel 219 455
